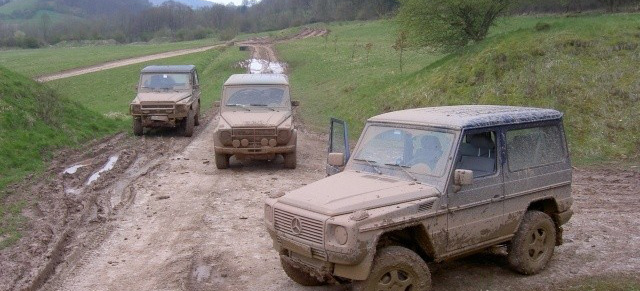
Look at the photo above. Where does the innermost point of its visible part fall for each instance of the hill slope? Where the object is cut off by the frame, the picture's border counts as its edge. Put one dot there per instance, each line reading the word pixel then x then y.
pixel 583 66
pixel 34 120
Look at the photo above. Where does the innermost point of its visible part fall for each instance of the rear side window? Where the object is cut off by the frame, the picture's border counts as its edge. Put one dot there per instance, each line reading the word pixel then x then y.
pixel 534 147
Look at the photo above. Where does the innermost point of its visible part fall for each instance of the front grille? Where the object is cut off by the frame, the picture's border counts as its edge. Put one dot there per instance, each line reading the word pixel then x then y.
pixel 254 132
pixel 157 106
pixel 312 229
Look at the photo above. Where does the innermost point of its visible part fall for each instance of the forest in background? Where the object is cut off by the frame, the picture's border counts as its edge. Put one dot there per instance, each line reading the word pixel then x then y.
pixel 124 21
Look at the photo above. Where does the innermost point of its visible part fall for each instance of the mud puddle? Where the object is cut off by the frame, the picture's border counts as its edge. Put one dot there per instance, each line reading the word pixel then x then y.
pixel 262 66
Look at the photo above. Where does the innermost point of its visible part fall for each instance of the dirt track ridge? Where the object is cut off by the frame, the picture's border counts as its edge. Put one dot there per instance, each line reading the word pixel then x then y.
pixel 122 63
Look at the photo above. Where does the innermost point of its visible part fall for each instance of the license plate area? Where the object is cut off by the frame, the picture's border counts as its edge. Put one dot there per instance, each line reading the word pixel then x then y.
pixel 159 117
pixel 295 247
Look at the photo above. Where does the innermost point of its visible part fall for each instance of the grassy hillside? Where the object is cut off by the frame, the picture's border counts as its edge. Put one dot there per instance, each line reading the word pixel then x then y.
pixel 34 121
pixel 584 66
pixel 17 5
pixel 37 62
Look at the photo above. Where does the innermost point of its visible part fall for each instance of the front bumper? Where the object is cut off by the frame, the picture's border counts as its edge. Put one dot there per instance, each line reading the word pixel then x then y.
pixel 255 151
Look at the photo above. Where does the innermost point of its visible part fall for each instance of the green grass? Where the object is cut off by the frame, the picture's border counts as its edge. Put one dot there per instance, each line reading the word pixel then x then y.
pixel 37 62
pixel 109 92
pixel 584 66
pixel 35 121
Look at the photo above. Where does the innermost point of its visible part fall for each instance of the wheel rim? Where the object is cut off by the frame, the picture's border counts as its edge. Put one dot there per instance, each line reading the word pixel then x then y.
pixel 396 280
pixel 538 243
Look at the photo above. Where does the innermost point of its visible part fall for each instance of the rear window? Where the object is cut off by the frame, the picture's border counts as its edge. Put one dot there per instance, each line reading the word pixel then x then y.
pixel 534 147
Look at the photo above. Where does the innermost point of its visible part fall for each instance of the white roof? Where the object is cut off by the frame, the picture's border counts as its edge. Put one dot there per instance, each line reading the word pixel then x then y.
pixel 468 116
pixel 257 79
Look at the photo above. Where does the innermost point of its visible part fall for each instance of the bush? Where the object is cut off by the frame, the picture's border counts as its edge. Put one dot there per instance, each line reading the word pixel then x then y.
pixel 449 23
pixel 227 34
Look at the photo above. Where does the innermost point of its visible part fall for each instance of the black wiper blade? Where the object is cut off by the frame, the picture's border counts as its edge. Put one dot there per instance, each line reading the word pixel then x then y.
pixel 263 105
pixel 371 163
pixel 402 167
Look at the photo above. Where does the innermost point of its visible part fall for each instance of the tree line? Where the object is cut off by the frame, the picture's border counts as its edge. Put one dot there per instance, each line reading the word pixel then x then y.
pixel 128 21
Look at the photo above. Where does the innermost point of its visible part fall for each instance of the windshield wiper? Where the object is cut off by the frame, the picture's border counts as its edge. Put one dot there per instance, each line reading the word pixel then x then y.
pixel 263 105
pixel 402 167
pixel 240 105
pixel 371 163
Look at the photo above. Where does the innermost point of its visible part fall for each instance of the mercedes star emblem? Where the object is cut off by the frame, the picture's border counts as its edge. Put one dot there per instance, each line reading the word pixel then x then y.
pixel 296 226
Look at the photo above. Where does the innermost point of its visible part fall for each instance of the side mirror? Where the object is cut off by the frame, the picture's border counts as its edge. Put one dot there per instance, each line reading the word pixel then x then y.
pixel 196 87
pixel 295 103
pixel 461 178
pixel 135 88
pixel 336 159
pixel 216 104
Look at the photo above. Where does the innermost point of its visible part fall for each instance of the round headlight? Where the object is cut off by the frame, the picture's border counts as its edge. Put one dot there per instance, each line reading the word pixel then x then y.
pixel 340 234
pixel 225 137
pixel 283 136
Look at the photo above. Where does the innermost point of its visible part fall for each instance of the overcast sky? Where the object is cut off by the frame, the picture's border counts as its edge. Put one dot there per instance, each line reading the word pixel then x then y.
pixel 237 2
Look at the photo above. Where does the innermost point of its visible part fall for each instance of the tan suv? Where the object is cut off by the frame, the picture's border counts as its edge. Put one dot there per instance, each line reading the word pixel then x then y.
pixel 256 120
pixel 427 185
pixel 168 96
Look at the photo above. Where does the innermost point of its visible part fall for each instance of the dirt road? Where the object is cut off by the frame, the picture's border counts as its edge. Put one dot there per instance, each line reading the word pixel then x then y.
pixel 164 218
pixel 122 63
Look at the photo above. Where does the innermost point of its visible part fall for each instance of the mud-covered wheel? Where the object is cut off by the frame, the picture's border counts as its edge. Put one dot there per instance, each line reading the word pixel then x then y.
pixel 396 268
pixel 290 160
pixel 533 245
pixel 196 121
pixel 188 124
pixel 138 129
pixel 299 276
pixel 222 161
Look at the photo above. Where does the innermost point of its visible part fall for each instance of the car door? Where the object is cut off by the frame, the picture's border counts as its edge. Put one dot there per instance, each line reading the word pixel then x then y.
pixel 338 143
pixel 196 86
pixel 476 211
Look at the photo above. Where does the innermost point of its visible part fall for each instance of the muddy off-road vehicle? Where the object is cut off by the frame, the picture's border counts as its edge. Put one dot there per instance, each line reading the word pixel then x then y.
pixel 428 185
pixel 168 96
pixel 256 121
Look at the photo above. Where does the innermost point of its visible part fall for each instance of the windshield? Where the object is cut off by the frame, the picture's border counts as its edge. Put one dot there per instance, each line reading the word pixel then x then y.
pixel 160 82
pixel 261 96
pixel 405 151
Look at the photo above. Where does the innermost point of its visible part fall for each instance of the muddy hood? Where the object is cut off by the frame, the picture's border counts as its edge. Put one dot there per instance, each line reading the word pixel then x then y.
pixel 163 97
pixel 255 118
pixel 350 191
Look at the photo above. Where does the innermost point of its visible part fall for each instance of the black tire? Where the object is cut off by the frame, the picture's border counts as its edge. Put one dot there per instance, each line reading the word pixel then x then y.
pixel 533 245
pixel 138 129
pixel 196 122
pixel 396 268
pixel 188 124
pixel 299 276
pixel 222 161
pixel 290 160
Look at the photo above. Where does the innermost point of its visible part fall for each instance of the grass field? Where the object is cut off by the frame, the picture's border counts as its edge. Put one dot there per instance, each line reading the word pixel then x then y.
pixel 109 92
pixel 34 121
pixel 37 62
pixel 584 66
